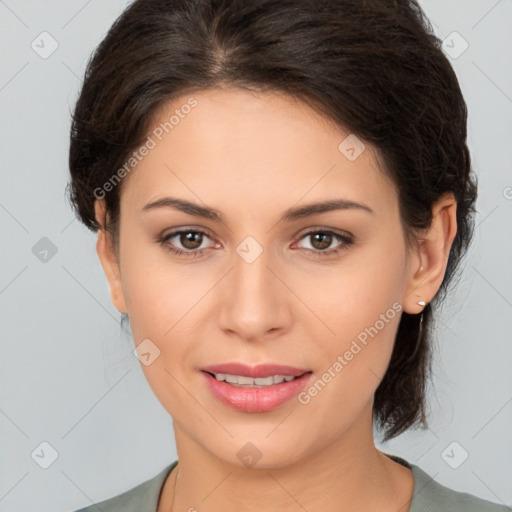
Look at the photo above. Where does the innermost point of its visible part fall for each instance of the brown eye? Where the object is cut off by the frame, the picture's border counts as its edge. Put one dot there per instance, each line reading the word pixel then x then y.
pixel 190 239
pixel 187 242
pixel 321 240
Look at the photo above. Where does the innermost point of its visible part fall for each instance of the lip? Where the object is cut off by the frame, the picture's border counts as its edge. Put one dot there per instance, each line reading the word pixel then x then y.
pixel 259 371
pixel 251 399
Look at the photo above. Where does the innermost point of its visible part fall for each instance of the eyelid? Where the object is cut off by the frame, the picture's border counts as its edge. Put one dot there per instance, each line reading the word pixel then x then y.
pixel 345 238
pixel 324 229
pixel 186 229
pixel 300 234
pixel 164 238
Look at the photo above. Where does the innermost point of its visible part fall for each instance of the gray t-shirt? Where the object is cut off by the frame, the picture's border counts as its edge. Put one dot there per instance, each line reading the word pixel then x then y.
pixel 428 496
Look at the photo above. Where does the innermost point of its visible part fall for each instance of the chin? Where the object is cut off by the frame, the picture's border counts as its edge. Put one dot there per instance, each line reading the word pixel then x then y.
pixel 259 451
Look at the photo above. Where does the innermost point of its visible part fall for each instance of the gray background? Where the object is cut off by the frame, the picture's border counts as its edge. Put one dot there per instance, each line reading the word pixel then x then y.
pixel 68 376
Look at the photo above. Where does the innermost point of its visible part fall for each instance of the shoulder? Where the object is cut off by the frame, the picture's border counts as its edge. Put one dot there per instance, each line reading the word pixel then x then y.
pixel 431 496
pixel 142 498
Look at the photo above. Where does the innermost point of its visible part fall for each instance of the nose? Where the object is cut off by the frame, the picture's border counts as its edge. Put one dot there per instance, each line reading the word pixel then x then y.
pixel 256 304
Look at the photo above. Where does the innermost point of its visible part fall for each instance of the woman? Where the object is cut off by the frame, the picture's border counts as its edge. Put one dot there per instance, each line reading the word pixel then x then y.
pixel 282 192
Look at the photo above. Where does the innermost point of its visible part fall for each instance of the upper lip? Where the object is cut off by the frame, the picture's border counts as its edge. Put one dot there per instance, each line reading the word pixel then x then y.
pixel 258 371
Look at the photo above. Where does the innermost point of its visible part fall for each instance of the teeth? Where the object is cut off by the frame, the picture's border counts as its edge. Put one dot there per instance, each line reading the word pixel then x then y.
pixel 240 380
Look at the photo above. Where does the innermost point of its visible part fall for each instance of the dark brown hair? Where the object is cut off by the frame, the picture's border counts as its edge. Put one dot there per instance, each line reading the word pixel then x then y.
pixel 373 67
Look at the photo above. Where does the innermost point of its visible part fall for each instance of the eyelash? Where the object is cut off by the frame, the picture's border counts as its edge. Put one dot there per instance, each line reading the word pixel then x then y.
pixel 163 241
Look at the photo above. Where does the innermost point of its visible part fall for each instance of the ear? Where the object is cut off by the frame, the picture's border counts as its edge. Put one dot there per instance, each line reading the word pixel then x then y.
pixel 108 259
pixel 427 265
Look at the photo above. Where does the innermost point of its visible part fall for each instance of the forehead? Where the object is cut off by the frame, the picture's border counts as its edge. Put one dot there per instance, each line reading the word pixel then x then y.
pixel 227 145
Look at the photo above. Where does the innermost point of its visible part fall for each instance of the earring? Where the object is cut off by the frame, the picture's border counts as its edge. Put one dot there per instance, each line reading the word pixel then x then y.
pixel 421 303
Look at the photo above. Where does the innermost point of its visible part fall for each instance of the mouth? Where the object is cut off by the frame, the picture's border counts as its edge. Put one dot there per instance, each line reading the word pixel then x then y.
pixel 249 382
pixel 255 389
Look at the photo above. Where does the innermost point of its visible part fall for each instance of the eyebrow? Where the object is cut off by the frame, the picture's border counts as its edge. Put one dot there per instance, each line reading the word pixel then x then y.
pixel 289 215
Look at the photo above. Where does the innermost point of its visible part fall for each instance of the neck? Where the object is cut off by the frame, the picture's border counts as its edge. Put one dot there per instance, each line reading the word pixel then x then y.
pixel 348 471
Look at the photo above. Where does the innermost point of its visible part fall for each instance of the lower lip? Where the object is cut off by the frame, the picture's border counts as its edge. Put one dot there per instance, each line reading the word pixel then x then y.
pixel 256 399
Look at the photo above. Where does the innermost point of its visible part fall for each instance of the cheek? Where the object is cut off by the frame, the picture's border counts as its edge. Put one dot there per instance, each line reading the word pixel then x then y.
pixel 162 302
pixel 354 295
pixel 359 305
pixel 157 292
pixel 344 299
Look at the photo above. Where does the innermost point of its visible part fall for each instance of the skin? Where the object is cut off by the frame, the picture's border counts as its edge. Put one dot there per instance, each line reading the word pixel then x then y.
pixel 252 156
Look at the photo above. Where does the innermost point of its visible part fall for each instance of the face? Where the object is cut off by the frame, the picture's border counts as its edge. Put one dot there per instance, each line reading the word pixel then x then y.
pixel 321 293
